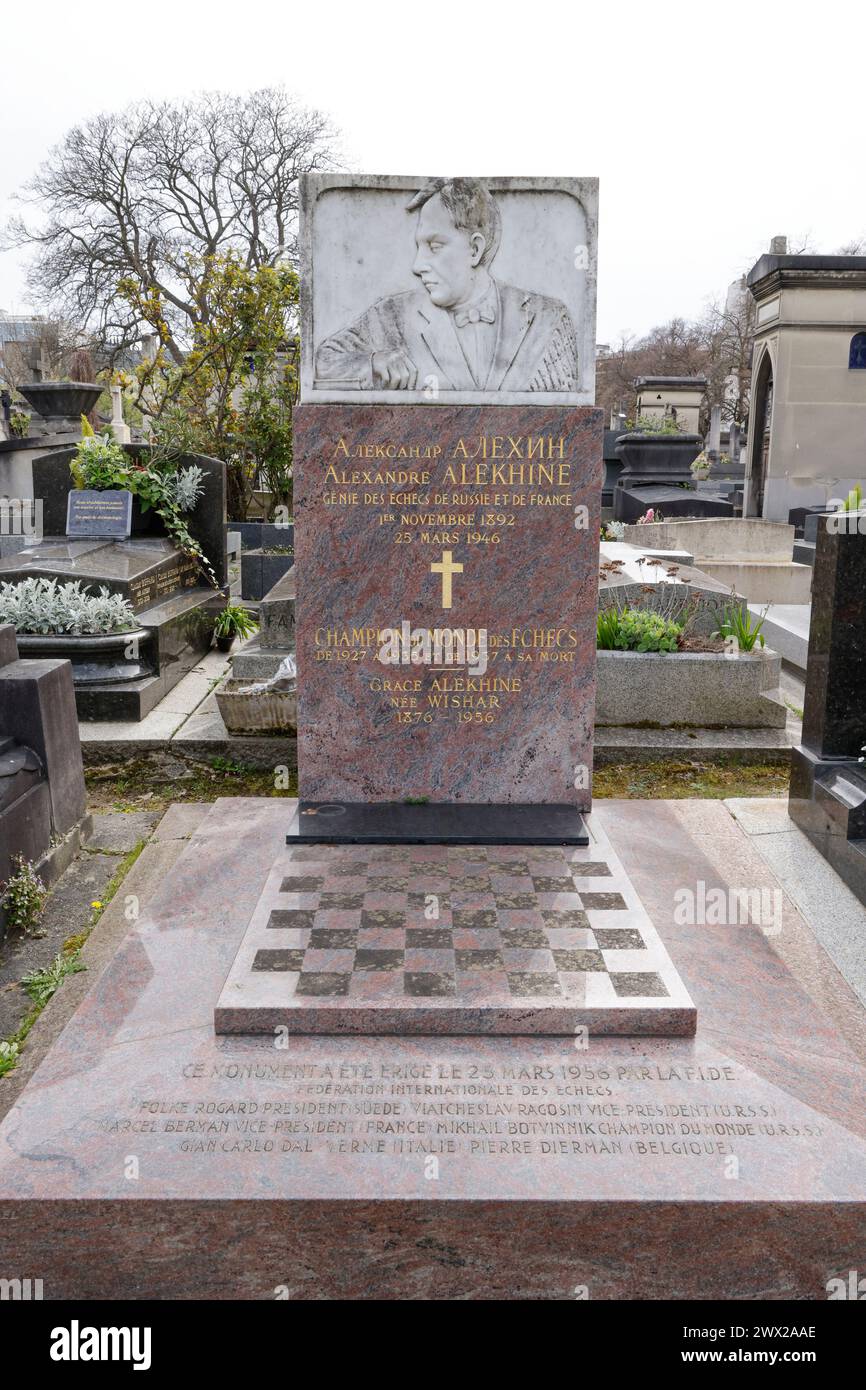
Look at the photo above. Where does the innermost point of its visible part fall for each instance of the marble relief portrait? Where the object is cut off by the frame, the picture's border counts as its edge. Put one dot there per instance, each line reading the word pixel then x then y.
pixel 464 331
pixel 462 325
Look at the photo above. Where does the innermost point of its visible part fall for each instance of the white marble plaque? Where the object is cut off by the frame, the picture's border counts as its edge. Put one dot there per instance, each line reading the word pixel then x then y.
pixel 474 291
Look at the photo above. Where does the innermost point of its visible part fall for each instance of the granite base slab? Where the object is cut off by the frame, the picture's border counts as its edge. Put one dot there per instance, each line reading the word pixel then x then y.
pixel 149 1158
pixel 435 823
pixel 452 940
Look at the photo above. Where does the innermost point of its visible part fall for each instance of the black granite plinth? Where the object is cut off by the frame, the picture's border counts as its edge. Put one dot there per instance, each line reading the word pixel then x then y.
pixel 827 794
pixel 435 823
pixel 834 711
pixel 827 800
pixel 144 570
pixel 42 796
pixel 261 571
pixel 631 502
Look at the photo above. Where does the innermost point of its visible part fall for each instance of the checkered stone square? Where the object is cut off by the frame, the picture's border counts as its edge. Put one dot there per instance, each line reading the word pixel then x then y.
pixel 452 939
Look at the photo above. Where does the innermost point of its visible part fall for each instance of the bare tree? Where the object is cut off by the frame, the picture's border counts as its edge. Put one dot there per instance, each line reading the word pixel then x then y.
pixel 676 348
pixel 147 194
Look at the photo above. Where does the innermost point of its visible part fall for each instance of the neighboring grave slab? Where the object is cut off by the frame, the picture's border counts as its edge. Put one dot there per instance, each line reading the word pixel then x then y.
pixel 446 625
pixel 144 571
pixel 828 787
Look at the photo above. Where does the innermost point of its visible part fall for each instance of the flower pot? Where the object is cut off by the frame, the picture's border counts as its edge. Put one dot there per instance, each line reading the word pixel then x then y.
pixel 225 644
pixel 246 711
pixel 62 403
pixel 100 659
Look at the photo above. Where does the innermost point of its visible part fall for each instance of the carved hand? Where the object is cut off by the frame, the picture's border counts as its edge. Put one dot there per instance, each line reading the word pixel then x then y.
pixel 394 371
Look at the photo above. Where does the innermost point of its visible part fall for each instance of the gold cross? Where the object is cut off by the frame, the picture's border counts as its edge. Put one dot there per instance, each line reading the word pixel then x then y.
pixel 446 567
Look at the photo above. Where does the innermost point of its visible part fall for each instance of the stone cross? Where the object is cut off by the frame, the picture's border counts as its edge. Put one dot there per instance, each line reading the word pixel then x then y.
pixel 120 430
pixel 715 437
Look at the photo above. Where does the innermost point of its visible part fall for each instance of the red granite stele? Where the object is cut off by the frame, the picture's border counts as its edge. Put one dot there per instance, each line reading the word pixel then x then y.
pixel 389 532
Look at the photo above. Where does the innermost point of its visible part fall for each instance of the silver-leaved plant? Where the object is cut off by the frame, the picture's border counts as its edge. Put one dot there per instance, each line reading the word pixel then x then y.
pixel 43 605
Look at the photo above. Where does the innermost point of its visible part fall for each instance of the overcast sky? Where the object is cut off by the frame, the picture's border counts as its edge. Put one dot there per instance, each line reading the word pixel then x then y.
pixel 711 128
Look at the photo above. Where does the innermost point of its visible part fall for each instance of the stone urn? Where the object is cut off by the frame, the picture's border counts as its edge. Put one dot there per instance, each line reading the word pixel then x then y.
pixel 61 404
pixel 650 456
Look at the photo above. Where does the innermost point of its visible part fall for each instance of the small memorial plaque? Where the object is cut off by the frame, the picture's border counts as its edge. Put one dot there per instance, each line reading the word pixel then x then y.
pixel 93 513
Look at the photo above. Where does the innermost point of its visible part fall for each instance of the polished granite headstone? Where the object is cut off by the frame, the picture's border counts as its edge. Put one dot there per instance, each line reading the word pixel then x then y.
pixel 828 785
pixel 447 562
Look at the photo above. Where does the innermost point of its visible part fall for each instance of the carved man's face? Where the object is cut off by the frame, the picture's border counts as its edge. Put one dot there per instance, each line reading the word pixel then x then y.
pixel 447 258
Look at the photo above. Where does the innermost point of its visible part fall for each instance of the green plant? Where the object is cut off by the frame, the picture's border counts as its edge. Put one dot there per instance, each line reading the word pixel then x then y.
pixel 701 465
pixel 655 424
pixel 854 501
pixel 42 984
pixel 23 896
pixel 637 630
pixel 44 605
pixel 232 394
pixel 235 621
pixel 19 423
pixel 9 1052
pixel 103 464
pixel 736 623
pixel 607 628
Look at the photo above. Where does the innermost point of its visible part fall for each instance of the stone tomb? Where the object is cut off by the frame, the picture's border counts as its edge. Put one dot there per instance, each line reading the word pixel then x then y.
pixel 731 1164
pixel 115 676
pixel 174 611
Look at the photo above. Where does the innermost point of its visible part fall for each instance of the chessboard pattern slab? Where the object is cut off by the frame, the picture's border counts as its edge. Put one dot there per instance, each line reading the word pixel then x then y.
pixel 452 939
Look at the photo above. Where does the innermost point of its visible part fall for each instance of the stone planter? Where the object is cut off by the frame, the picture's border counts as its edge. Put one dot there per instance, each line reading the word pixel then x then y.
pixel 259 712
pixel 708 690
pixel 62 403
pixel 649 457
pixel 97 660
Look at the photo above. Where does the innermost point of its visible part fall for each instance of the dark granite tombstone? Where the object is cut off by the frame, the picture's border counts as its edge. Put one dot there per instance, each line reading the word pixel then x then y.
pixel 207 522
pixel 42 800
pixel 656 472
pixel 122 675
pixel 262 569
pixel 828 787
pixel 671 502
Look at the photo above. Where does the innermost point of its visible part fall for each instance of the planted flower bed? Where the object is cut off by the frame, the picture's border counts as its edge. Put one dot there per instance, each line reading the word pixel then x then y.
pixel 652 673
